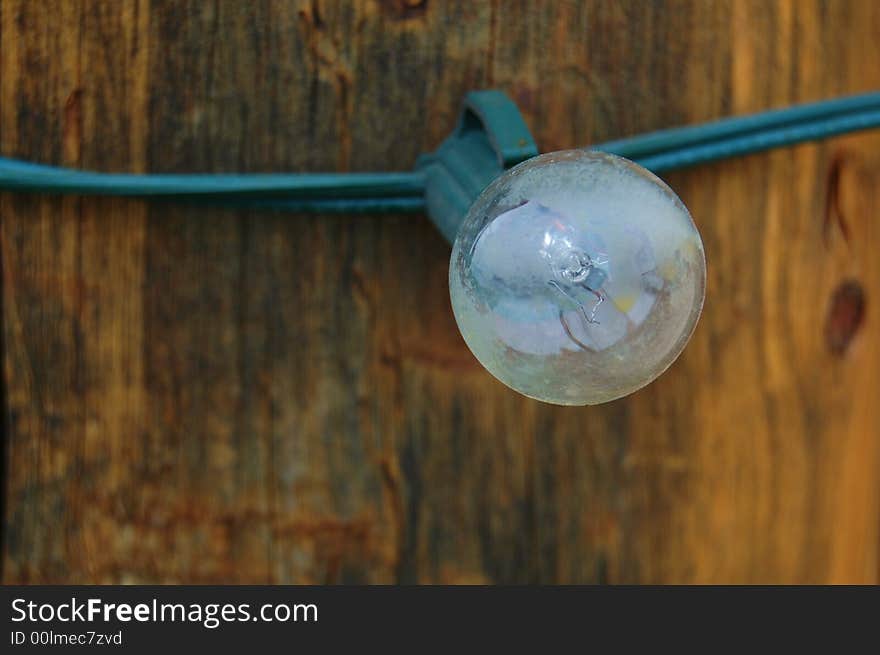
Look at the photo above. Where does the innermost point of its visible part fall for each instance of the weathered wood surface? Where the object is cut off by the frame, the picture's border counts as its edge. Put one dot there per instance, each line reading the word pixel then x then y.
pixel 203 395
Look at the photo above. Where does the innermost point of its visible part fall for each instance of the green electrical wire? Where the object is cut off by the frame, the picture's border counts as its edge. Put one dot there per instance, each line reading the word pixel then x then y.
pixel 688 146
pixel 760 141
pixel 26 176
pixel 404 192
pixel 663 141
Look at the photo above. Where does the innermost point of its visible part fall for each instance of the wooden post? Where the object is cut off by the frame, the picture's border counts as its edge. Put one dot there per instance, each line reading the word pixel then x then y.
pixel 209 395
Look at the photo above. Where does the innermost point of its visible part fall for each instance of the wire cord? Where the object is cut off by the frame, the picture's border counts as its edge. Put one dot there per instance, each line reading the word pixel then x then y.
pixel 663 141
pixel 404 192
pixel 27 176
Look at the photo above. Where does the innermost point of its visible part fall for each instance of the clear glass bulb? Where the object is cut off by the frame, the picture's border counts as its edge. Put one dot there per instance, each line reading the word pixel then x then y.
pixel 577 277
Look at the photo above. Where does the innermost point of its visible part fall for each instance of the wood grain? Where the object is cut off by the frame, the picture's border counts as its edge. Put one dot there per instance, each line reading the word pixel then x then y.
pixel 209 395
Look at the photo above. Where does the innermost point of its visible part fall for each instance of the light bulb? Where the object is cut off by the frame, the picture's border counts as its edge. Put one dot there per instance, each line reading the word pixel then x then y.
pixel 577 277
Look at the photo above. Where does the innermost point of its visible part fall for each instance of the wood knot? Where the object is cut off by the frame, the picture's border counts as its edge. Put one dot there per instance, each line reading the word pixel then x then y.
pixel 845 316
